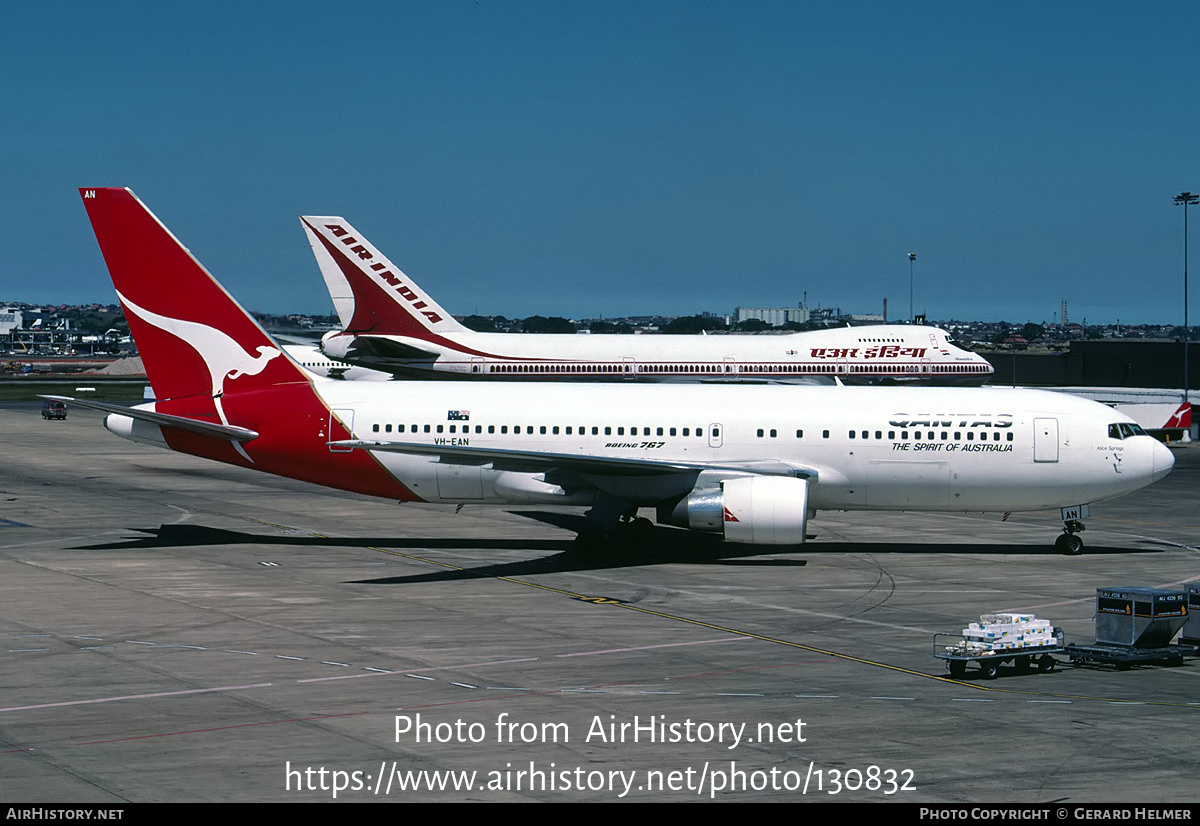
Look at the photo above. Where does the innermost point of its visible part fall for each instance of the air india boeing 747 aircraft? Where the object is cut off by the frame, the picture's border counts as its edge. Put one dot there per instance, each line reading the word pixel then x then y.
pixel 752 463
pixel 391 324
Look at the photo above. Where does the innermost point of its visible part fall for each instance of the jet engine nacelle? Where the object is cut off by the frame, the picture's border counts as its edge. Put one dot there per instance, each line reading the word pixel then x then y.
pixel 335 344
pixel 755 510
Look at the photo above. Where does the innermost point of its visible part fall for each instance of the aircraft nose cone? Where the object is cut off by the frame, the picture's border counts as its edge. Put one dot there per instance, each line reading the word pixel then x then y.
pixel 1163 461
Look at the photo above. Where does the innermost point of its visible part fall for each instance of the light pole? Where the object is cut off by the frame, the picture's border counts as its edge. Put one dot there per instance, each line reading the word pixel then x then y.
pixel 1185 198
pixel 912 260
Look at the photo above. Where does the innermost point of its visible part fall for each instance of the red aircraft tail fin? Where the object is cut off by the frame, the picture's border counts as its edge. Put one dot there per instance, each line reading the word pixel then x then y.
pixel 165 293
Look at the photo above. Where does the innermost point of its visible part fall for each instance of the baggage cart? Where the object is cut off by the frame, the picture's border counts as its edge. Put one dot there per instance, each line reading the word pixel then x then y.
pixel 958 654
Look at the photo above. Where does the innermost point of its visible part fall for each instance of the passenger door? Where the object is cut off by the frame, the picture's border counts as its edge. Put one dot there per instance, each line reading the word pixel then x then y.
pixel 1045 440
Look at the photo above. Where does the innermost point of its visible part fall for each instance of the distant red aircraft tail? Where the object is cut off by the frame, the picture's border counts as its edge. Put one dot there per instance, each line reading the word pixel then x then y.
pixel 1182 418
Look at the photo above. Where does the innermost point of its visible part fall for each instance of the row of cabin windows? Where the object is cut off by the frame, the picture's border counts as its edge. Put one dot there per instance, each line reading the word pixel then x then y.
pixel 820 368
pixel 685 368
pixel 932 435
pixel 960 368
pixel 830 367
pixel 559 368
pixel 698 432
pixel 867 368
pixel 543 430
pixel 891 434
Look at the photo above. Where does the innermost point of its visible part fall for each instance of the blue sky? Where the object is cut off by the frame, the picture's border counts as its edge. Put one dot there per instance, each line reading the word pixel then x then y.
pixel 612 158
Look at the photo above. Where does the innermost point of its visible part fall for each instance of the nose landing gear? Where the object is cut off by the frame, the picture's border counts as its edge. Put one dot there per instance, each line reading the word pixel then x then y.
pixel 1068 542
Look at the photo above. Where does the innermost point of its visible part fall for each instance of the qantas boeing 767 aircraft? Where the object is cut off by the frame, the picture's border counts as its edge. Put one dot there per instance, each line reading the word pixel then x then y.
pixel 389 323
pixel 752 463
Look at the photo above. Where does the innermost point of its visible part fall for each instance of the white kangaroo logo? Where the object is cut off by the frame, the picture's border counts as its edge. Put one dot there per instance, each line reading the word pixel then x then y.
pixel 222 355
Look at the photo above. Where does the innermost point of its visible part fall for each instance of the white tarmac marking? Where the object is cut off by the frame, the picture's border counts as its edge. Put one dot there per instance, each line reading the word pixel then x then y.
pixel 651 647
pixel 136 697
pixel 418 676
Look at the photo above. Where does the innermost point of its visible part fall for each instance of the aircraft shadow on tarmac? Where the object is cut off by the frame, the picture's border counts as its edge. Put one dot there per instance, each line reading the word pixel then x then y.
pixel 661 545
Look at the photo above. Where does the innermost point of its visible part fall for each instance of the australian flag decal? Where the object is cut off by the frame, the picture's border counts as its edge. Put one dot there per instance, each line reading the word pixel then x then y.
pixel 458 415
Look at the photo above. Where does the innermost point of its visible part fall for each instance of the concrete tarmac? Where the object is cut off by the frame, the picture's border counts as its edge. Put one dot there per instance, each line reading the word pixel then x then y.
pixel 179 630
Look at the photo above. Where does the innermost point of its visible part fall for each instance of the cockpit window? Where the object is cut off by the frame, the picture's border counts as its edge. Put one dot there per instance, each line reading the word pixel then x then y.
pixel 1123 430
pixel 954 342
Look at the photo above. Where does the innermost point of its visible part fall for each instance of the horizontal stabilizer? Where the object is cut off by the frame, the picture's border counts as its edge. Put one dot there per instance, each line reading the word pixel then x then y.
pixel 381 349
pixel 221 431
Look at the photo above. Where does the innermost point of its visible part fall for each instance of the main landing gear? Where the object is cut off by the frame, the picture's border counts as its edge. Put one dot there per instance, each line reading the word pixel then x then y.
pixel 628 532
pixel 613 522
pixel 1068 541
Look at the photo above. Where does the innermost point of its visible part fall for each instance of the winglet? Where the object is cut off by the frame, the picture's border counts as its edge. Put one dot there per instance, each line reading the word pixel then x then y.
pixel 369 292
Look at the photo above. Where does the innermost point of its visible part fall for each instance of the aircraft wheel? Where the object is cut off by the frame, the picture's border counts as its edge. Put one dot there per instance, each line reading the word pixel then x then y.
pixel 1069 544
pixel 989 669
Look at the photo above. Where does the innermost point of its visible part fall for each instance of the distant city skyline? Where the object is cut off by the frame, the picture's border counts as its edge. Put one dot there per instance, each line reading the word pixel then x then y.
pixel 601 159
pixel 863 319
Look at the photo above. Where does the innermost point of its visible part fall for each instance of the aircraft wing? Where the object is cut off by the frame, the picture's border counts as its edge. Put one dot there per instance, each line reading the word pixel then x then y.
pixel 223 431
pixel 584 464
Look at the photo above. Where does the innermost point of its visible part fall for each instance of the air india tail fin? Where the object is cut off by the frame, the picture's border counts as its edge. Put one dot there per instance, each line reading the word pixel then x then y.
pixel 194 338
pixel 369 292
